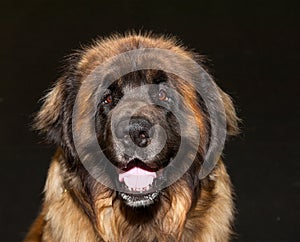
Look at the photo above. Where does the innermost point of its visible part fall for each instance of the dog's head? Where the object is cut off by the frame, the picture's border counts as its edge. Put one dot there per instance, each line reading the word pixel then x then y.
pixel 135 122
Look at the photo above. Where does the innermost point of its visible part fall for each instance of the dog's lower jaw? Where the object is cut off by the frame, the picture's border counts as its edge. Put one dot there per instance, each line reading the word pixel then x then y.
pixel 140 200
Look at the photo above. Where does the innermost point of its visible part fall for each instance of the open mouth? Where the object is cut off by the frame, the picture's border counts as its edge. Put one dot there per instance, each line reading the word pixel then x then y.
pixel 137 179
pixel 140 184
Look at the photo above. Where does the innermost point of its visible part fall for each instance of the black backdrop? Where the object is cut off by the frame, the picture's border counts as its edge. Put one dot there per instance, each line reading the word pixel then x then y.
pixel 253 45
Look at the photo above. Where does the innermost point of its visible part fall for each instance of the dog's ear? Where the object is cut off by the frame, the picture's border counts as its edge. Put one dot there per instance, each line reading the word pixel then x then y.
pixel 49 119
pixel 232 120
pixel 53 119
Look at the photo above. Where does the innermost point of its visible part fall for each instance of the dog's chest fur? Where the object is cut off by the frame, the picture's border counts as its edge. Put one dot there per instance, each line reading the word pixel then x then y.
pixel 62 219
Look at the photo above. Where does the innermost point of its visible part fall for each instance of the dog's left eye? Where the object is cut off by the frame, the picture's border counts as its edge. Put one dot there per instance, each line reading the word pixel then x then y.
pixel 108 99
pixel 163 96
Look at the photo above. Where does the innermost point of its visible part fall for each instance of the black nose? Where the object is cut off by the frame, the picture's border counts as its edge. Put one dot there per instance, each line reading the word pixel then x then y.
pixel 137 129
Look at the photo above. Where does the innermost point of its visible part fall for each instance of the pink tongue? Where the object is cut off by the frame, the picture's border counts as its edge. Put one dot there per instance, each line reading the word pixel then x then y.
pixel 137 178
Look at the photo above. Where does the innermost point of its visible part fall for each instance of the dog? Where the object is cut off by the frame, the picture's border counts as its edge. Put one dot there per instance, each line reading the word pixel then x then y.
pixel 78 206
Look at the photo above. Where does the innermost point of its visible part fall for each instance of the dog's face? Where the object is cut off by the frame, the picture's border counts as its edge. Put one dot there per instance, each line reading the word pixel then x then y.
pixel 128 113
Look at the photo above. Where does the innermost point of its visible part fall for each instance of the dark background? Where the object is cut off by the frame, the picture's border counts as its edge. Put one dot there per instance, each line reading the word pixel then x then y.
pixel 254 48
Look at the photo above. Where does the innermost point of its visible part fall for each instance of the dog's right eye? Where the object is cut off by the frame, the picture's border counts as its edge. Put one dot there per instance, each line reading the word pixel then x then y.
pixel 107 99
pixel 163 96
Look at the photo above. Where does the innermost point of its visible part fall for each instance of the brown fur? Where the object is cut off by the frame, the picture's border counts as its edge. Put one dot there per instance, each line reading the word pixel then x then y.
pixel 75 211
